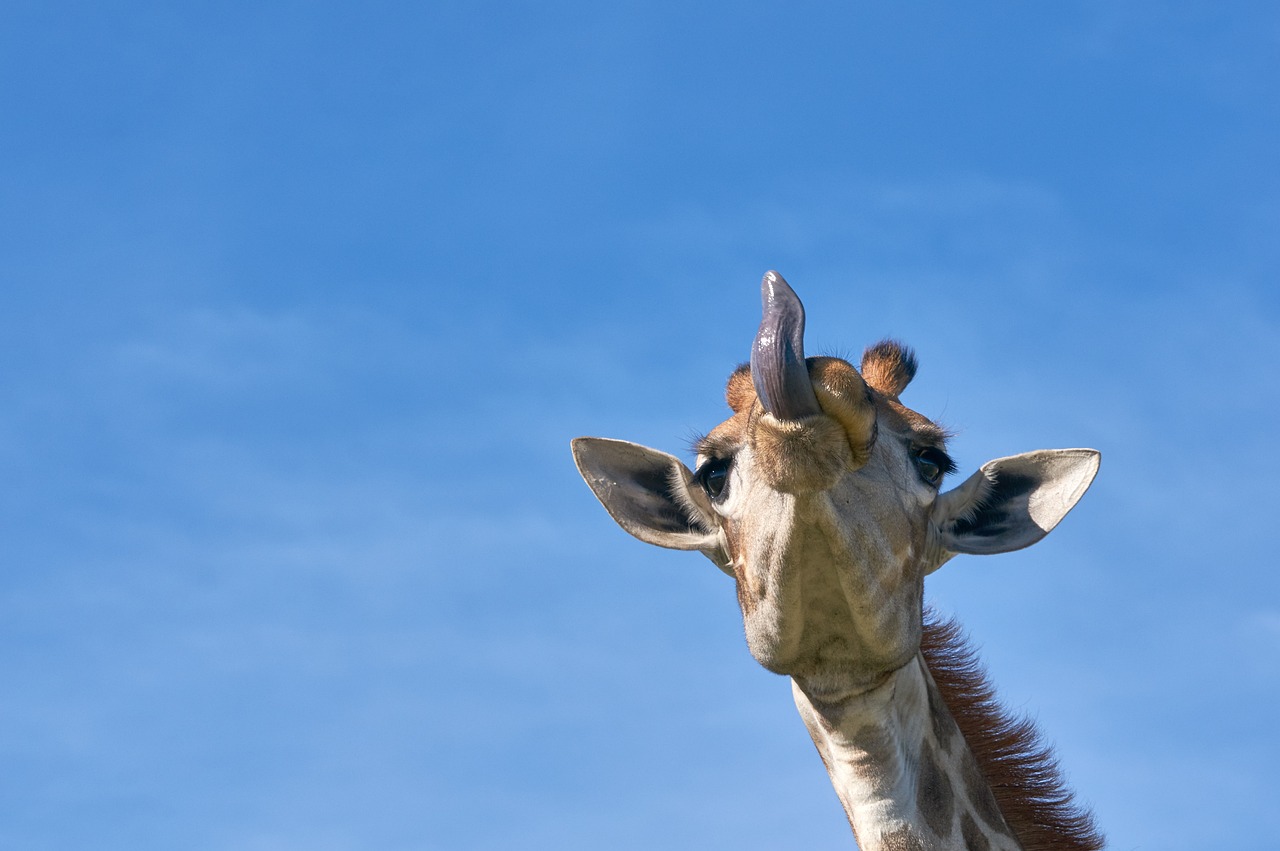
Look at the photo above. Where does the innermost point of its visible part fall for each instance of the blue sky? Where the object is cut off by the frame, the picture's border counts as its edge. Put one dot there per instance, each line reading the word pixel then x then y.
pixel 300 305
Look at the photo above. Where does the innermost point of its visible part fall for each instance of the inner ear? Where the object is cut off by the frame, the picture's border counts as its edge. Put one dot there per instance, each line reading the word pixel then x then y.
pixel 1013 502
pixel 649 493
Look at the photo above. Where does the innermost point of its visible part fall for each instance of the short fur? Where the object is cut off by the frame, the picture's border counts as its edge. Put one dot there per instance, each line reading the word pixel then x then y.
pixel 1020 768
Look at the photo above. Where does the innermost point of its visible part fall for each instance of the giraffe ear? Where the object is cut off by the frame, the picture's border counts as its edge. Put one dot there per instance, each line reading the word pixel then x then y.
pixel 650 494
pixel 1013 502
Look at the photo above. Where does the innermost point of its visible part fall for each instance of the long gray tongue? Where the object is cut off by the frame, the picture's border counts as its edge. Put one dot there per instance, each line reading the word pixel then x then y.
pixel 777 358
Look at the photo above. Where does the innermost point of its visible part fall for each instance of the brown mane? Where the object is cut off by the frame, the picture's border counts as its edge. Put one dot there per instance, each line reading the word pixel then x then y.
pixel 1021 769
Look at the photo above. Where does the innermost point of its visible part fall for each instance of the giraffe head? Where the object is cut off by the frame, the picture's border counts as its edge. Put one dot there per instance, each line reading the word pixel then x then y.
pixel 821 496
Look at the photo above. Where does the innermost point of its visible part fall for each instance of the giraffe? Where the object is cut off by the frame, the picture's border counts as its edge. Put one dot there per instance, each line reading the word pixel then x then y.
pixel 821 497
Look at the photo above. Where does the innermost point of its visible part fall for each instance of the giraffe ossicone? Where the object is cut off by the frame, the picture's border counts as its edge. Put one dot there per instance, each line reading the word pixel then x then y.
pixel 821 495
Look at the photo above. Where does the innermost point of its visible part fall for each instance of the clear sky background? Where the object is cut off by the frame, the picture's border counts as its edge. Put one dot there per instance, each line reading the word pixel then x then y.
pixel 301 304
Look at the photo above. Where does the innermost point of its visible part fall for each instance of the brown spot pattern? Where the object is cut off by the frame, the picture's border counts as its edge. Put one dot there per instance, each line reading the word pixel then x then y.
pixel 945 731
pixel 933 795
pixel 974 838
pixel 980 795
pixel 875 742
pixel 902 839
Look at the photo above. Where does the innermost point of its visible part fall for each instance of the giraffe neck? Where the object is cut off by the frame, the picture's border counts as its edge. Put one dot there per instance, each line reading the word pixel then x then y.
pixel 901 768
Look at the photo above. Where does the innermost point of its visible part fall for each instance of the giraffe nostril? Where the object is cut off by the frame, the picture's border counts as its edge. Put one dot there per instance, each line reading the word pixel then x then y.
pixel 845 397
pixel 801 456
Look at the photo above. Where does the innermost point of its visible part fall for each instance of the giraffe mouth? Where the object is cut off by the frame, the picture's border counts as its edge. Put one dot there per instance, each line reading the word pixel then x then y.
pixel 778 367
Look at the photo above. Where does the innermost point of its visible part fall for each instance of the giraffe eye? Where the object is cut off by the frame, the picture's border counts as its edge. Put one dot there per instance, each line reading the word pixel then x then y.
pixel 932 464
pixel 713 476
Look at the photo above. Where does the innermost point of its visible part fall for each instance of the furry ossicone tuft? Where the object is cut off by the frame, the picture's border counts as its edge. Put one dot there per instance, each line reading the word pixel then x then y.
pixel 888 367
